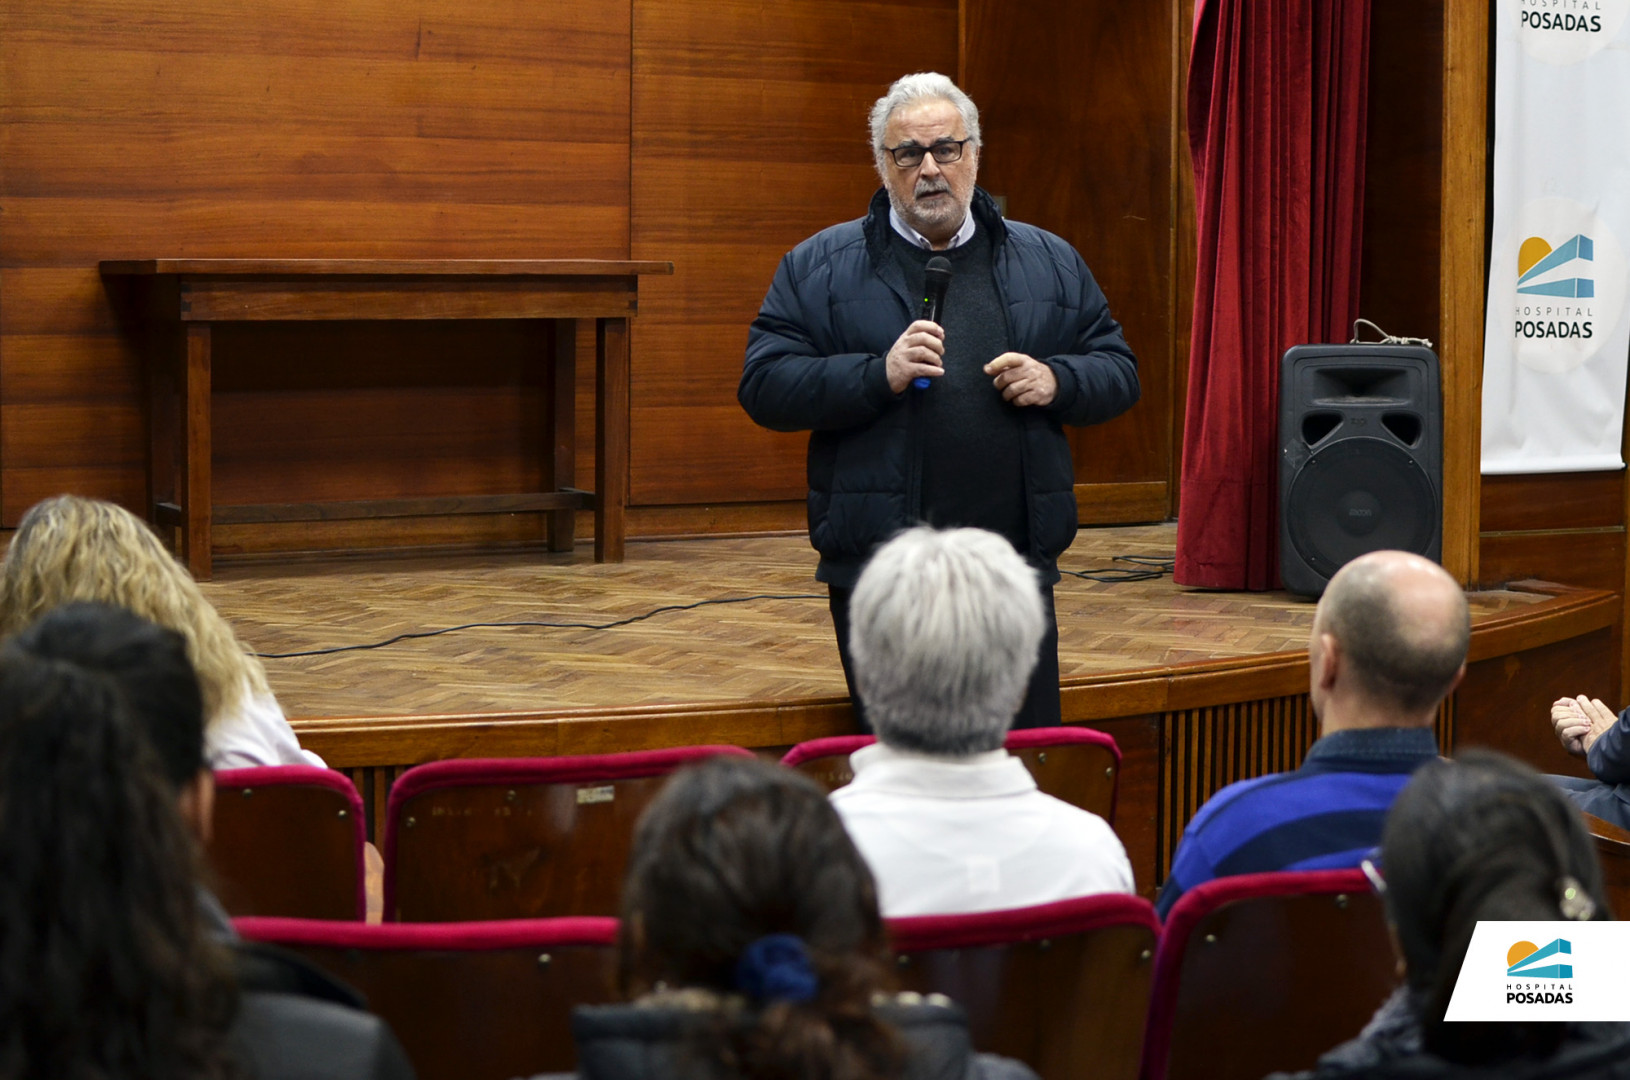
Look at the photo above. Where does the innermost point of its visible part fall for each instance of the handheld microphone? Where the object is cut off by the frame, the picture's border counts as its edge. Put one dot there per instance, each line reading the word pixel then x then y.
pixel 936 279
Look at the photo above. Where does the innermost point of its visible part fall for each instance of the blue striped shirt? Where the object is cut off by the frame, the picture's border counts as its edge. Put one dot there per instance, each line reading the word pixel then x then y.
pixel 1325 815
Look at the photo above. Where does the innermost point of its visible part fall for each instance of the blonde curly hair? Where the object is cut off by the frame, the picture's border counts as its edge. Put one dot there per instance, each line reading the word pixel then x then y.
pixel 71 548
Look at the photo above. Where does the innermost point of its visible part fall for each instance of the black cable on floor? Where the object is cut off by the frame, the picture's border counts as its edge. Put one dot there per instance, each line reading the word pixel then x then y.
pixel 415 634
pixel 1143 568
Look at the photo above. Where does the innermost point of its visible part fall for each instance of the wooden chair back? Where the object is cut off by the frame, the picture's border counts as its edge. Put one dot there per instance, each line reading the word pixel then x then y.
pixel 1076 764
pixel 1063 987
pixel 1262 973
pixel 288 840
pixel 469 1001
pixel 1613 849
pixel 519 838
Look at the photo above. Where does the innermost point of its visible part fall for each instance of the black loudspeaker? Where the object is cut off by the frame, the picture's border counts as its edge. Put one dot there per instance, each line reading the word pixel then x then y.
pixel 1360 458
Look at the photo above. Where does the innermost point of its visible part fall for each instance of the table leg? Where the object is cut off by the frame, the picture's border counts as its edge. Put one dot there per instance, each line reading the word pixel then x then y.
pixel 610 438
pixel 194 488
pixel 562 428
pixel 168 353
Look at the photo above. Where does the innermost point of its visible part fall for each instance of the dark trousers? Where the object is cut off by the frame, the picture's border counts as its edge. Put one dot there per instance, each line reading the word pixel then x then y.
pixel 1595 797
pixel 1040 708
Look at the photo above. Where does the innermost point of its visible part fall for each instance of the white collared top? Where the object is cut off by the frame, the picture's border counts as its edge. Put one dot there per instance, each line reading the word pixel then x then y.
pixel 963 234
pixel 950 835
pixel 255 733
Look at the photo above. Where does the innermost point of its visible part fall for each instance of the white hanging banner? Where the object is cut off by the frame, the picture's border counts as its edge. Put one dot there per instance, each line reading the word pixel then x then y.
pixel 1555 346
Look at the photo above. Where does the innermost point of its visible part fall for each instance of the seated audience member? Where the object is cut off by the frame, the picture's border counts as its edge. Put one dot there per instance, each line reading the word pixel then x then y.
pixel 1589 729
pixel 1388 644
pixel 752 948
pixel 1478 838
pixel 943 634
pixel 69 548
pixel 130 968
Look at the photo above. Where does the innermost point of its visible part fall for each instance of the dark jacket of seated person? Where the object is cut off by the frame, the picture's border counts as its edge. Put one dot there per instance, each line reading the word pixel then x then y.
pixel 653 1040
pixel 133 969
pixel 1480 838
pixel 1391 1048
pixel 751 948
pixel 297 1022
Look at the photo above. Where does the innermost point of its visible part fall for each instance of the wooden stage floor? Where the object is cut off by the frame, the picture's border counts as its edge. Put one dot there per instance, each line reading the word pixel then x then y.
pixel 780 649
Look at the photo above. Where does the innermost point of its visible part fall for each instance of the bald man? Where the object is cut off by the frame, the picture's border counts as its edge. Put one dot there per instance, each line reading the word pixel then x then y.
pixel 1388 645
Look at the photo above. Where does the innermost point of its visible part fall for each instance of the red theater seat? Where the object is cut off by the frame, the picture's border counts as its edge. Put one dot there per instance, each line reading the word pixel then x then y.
pixel 288 840
pixel 1078 765
pixel 469 1001
pixel 1264 972
pixel 1063 987
pixel 519 838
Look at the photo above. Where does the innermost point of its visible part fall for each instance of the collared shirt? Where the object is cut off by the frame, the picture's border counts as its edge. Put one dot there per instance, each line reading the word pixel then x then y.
pixel 1326 815
pixel 963 234
pixel 951 835
pixel 254 733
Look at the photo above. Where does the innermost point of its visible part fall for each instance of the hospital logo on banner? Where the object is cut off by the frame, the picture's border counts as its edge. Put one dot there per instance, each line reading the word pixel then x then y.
pixel 1574 972
pixel 1569 289
pixel 1567 31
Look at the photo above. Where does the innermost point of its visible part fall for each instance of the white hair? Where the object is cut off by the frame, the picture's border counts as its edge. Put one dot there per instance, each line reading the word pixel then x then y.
pixel 923 86
pixel 943 633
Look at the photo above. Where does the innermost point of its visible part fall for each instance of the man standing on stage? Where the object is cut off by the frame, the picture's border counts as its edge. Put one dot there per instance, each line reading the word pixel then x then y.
pixel 950 423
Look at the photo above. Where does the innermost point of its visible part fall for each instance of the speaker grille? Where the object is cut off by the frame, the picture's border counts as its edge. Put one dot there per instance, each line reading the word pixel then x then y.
pixel 1360 495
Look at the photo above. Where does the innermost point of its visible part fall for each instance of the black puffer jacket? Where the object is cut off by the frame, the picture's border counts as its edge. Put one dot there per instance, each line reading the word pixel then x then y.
pixel 298 1023
pixel 1390 1048
pixel 643 1042
pixel 815 362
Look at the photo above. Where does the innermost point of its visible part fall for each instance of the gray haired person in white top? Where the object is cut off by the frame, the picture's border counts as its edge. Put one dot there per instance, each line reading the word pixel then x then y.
pixel 944 629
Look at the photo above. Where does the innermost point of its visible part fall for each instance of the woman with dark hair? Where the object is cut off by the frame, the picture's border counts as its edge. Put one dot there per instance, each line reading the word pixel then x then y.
pixel 114 963
pixel 105 968
pixel 1481 837
pixel 752 948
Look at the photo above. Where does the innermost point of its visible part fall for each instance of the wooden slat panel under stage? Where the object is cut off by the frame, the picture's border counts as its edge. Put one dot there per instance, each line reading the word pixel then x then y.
pixel 1198 688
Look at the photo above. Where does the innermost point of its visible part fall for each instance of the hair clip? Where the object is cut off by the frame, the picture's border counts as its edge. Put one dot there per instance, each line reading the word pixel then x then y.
pixel 1576 903
pixel 776 967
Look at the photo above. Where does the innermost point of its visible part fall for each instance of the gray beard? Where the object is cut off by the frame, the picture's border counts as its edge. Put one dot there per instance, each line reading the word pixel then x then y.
pixel 908 214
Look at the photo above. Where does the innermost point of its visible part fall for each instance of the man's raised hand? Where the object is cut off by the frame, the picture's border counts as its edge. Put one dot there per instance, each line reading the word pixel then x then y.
pixel 917 353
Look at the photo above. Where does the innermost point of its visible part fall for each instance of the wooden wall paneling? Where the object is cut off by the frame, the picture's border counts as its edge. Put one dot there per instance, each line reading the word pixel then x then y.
pixel 749 135
pixel 1590 558
pixel 1123 503
pixel 1403 169
pixel 1086 150
pixel 454 409
pixel 1566 527
pixel 1505 701
pixel 1185 247
pixel 296 129
pixel 1466 72
pixel 1552 502
pixel 711 519
pixel 418 535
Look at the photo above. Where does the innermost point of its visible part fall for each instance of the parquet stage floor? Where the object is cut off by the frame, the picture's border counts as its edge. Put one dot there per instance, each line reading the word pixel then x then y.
pixel 778 649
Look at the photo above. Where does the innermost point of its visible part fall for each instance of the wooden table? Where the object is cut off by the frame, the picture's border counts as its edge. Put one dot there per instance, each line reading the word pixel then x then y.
pixel 185 297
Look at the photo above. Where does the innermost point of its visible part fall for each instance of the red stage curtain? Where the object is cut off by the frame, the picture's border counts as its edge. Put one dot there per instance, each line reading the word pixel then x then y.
pixel 1276 101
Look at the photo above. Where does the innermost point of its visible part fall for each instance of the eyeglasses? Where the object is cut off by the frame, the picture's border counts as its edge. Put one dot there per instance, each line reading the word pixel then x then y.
pixel 946 151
